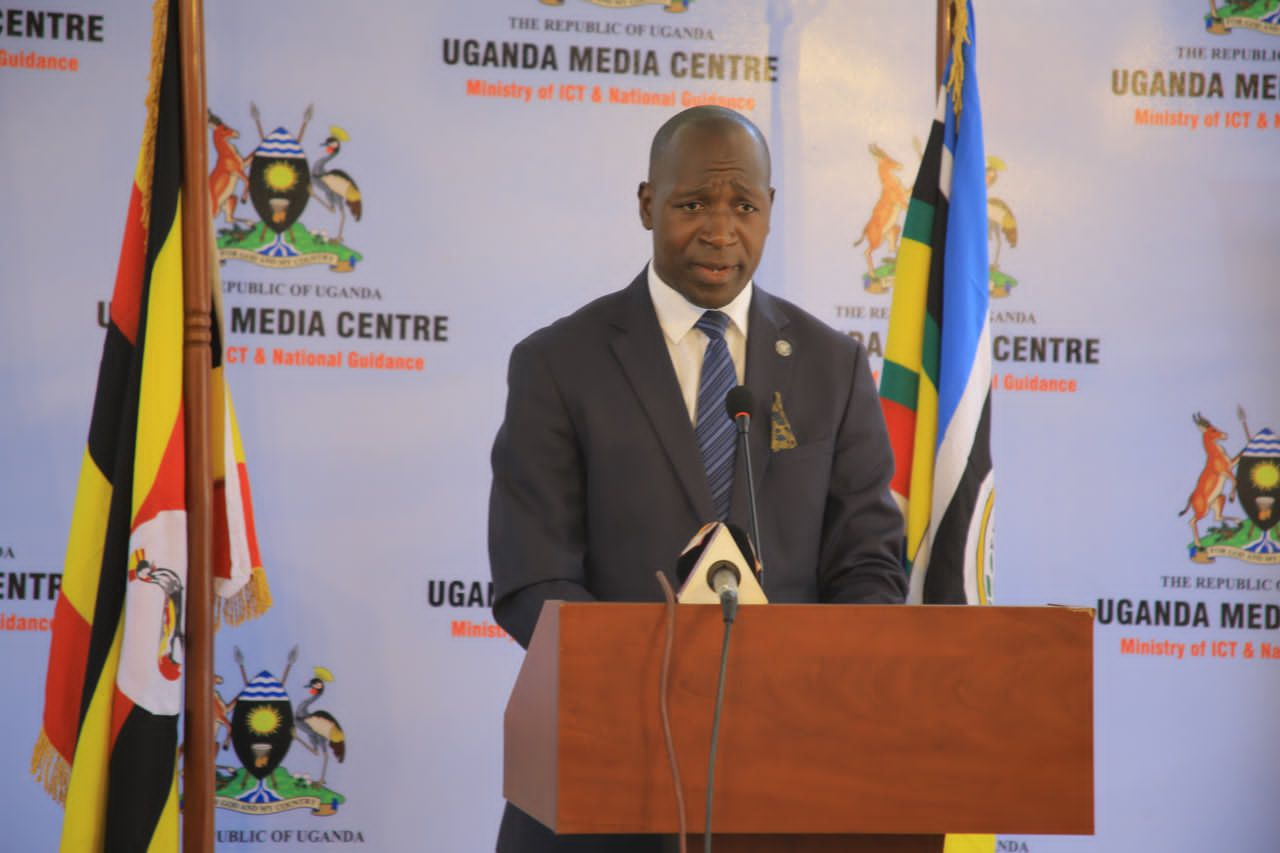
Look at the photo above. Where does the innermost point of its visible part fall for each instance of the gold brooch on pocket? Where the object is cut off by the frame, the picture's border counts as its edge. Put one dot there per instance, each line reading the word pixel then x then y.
pixel 782 437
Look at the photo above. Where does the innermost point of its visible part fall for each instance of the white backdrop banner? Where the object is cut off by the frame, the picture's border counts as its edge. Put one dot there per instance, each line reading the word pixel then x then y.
pixel 449 177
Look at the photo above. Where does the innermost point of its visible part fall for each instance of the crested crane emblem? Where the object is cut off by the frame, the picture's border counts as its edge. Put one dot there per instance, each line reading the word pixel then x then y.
pixel 264 725
pixel 1002 230
pixel 172 641
pixel 318 730
pixel 280 182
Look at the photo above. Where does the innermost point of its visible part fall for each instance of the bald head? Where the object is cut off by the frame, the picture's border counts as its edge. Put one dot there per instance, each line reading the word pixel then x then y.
pixel 705 118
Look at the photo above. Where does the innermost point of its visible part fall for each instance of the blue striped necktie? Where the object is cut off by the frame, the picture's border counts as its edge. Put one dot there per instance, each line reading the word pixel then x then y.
pixel 714 429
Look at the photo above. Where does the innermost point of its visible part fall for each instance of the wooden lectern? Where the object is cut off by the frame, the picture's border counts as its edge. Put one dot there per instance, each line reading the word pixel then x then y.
pixel 868 728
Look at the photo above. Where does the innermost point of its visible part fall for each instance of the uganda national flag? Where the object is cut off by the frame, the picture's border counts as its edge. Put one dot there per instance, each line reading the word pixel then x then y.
pixel 113 692
pixel 936 386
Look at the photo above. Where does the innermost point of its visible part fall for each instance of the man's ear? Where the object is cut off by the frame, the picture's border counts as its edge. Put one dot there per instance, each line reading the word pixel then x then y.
pixel 771 196
pixel 644 195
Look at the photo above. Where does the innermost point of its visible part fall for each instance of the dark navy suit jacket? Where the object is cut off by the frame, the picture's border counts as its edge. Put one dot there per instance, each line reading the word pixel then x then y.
pixel 598 483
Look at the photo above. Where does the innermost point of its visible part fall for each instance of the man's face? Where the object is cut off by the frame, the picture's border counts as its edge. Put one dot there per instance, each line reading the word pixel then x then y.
pixel 707 202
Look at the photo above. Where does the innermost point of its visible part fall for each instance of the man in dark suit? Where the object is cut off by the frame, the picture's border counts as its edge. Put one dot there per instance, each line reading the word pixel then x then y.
pixel 598 473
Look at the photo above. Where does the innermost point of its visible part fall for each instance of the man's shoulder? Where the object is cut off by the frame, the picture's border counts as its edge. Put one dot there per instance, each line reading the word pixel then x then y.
pixel 585 324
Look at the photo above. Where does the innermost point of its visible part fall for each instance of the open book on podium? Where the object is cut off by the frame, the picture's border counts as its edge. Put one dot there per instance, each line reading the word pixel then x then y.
pixel 852 728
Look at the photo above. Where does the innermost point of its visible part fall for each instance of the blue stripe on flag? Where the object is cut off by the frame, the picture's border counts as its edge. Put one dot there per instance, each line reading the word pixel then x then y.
pixel 965 294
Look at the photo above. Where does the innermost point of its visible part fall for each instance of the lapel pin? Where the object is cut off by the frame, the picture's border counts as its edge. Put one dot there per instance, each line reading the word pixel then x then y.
pixel 783 348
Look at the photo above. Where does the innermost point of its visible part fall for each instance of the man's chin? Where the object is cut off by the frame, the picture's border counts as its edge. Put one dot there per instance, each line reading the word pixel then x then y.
pixel 712 294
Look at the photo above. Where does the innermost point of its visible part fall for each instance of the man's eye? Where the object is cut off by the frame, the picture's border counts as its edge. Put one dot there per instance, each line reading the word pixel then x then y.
pixel 691 205
pixel 746 207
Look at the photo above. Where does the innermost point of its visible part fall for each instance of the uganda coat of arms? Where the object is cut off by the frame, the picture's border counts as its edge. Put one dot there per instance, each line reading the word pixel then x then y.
pixel 280 182
pixel 263 725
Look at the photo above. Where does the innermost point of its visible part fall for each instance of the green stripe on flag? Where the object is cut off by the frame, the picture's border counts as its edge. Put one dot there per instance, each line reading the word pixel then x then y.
pixel 899 384
pixel 919 224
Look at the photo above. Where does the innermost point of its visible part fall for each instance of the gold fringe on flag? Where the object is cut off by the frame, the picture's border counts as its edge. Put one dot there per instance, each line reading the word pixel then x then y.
pixel 959 38
pixel 50 769
pixel 147 151
pixel 254 598
pixel 249 602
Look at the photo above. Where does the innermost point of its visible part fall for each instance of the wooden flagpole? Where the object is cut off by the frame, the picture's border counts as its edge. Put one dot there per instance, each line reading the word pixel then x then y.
pixel 198 751
pixel 942 42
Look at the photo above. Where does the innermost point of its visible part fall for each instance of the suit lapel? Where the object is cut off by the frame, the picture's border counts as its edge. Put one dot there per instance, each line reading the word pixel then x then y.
pixel 768 372
pixel 641 350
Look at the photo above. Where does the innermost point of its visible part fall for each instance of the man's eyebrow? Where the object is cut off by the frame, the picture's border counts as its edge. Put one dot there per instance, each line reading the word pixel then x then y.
pixel 749 189
pixel 739 187
pixel 696 189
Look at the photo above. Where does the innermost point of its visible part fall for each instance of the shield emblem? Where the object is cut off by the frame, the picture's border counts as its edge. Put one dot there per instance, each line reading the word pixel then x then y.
pixel 1258 479
pixel 262 725
pixel 279 180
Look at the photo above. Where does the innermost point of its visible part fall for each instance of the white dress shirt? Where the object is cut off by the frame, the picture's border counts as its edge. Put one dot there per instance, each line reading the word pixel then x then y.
pixel 688 344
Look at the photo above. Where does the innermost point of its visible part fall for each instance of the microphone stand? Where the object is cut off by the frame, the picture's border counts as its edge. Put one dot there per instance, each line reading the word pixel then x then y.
pixel 744 423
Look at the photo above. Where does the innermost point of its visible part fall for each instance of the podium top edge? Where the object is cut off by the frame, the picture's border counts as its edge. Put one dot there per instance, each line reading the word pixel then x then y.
pixel 1004 608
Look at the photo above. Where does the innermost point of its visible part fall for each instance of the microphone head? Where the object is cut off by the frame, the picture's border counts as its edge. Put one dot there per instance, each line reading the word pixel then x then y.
pixel 739 401
pixel 721 574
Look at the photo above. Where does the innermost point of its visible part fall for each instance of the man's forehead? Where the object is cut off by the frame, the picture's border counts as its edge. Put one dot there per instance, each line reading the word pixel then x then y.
pixel 721 147
pixel 712 180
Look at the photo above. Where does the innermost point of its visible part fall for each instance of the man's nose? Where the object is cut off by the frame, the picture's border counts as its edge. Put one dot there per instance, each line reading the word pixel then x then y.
pixel 718 229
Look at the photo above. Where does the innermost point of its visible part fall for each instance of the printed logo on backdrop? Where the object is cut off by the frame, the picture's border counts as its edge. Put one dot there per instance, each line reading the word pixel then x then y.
pixel 883 228
pixel 289 203
pixel 461 597
pixel 261 726
pixel 1261 16
pixel 594 72
pixel 1170 623
pixel 1250 478
pixel 667 5
pixel 26 597
pixel 1210 87
pixel 280 182
pixel 1002 230
pixel 34 26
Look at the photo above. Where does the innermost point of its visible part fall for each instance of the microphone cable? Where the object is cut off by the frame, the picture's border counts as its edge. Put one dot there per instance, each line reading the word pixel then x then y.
pixel 663 679
pixel 730 612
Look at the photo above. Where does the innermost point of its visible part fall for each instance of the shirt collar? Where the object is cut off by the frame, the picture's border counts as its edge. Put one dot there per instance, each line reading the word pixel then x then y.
pixel 678 315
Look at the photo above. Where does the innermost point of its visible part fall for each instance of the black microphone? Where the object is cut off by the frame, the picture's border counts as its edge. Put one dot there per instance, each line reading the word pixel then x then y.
pixel 739 402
